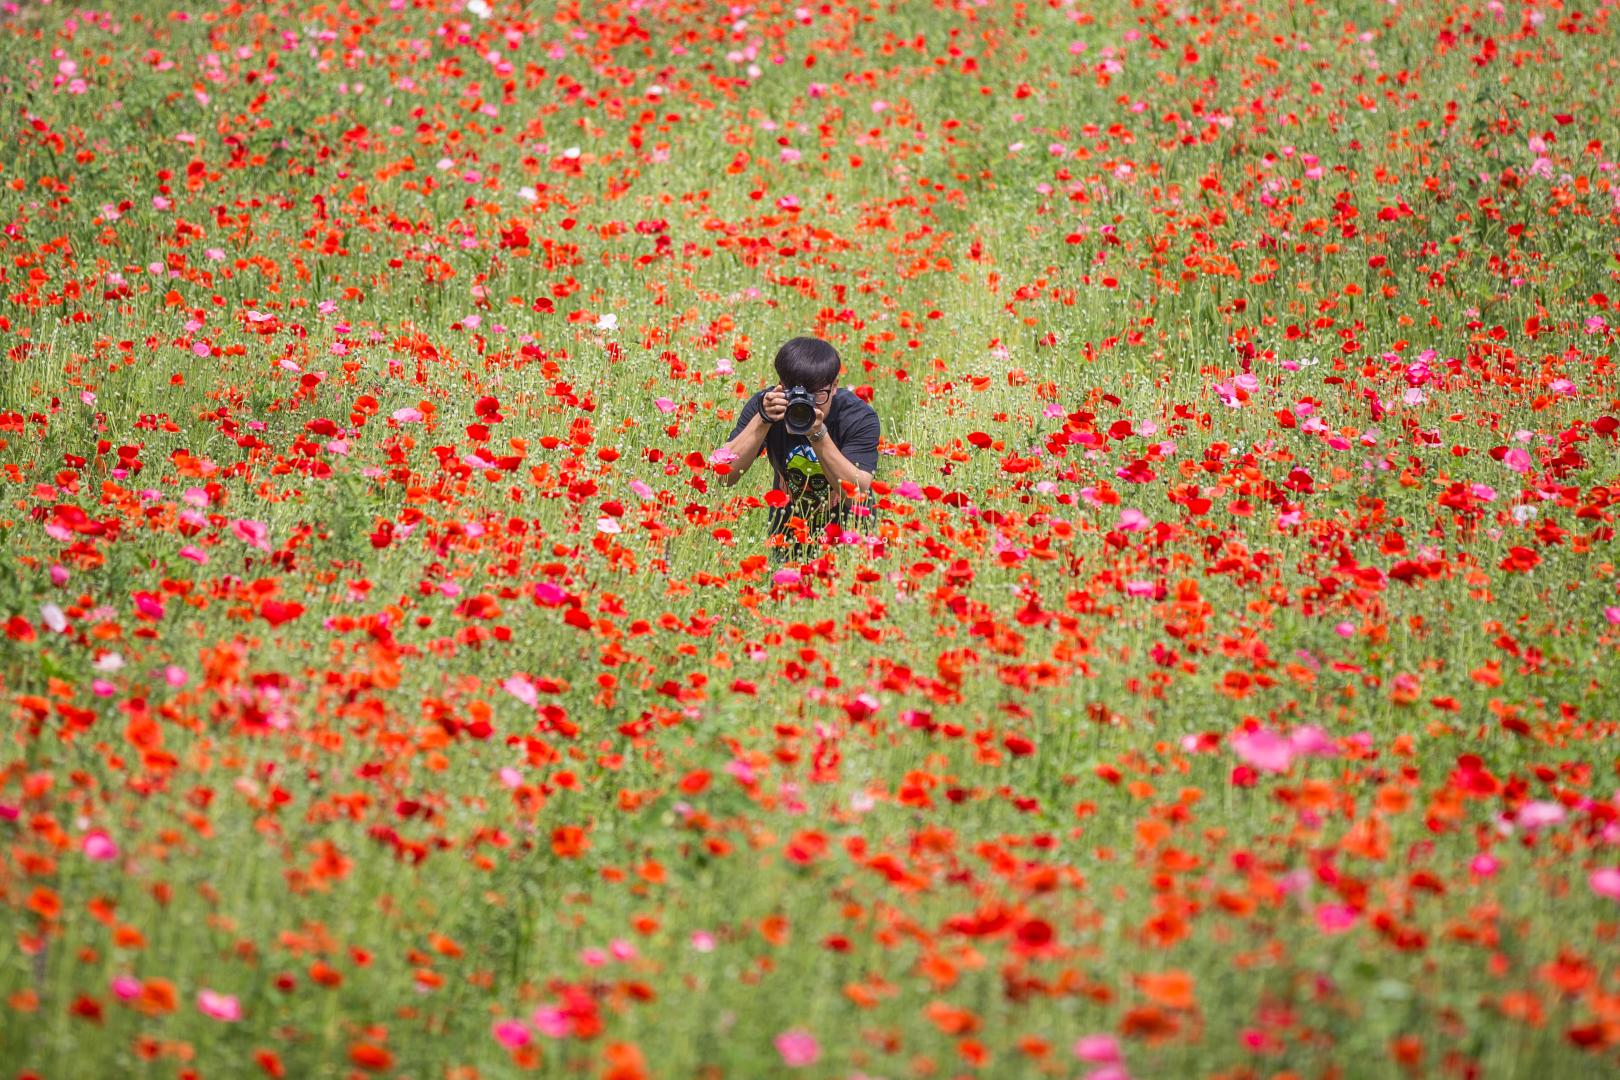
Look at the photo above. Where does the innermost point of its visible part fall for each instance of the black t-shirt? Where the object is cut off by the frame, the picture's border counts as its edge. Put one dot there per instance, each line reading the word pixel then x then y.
pixel 852 426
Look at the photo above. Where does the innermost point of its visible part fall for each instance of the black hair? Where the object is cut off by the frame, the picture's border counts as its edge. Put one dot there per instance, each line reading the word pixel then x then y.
pixel 808 362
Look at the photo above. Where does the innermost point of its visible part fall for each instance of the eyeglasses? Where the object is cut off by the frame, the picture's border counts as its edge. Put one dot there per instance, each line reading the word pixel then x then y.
pixel 824 395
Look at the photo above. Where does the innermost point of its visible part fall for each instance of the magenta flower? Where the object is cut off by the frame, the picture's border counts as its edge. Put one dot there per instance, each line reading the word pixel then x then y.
pixel 1264 750
pixel 1097 1049
pixel 798 1048
pixel 1335 918
pixel 521 688
pixel 550 1021
pixel 1606 882
pixel 1109 1072
pixel 100 847
pixel 218 1006
pixel 511 1034
pixel 255 534
pixel 1311 741
pixel 1539 814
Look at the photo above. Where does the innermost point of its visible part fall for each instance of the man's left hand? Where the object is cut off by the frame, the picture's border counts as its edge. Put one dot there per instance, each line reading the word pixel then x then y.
pixel 820 426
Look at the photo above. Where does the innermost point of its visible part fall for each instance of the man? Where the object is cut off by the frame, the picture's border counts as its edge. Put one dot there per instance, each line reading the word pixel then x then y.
pixel 811 469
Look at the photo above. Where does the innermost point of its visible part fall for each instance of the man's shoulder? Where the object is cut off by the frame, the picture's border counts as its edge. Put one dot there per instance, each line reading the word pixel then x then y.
pixel 853 407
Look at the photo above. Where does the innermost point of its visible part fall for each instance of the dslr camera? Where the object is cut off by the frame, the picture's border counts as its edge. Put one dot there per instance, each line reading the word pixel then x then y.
pixel 801 410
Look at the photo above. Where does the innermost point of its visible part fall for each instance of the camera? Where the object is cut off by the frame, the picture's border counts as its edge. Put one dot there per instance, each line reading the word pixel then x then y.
pixel 800 416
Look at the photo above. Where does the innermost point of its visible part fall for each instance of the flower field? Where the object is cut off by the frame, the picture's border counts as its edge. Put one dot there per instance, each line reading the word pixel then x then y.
pixel 1221 678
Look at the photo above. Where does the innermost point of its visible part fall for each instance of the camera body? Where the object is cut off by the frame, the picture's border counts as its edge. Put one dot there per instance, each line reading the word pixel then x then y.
pixel 800 416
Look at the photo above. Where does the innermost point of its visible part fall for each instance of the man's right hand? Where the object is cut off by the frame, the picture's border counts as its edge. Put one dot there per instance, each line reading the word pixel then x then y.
pixel 774 405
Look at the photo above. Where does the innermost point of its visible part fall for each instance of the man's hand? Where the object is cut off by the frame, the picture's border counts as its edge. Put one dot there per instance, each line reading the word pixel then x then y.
pixel 774 404
pixel 821 415
pixel 739 453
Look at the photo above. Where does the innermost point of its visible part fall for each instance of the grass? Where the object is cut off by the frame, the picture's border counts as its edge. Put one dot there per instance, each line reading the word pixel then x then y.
pixel 948 803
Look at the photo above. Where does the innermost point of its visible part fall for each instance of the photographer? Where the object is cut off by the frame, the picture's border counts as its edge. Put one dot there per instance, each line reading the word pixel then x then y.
pixel 817 435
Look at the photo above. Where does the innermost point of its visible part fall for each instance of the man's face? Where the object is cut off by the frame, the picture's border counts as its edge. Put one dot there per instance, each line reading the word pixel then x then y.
pixel 821 395
pixel 823 399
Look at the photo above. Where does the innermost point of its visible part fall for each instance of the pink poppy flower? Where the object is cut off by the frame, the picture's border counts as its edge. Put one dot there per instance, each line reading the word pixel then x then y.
pixel 1264 750
pixel 254 534
pixel 218 1006
pixel 798 1048
pixel 1109 1072
pixel 1335 918
pixel 1539 814
pixel 1311 741
pixel 1606 882
pixel 100 847
pixel 511 1034
pixel 550 1021
pixel 521 688
pixel 1097 1049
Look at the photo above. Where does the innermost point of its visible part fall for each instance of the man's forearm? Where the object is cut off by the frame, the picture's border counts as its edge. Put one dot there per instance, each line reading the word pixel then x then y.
pixel 839 468
pixel 746 447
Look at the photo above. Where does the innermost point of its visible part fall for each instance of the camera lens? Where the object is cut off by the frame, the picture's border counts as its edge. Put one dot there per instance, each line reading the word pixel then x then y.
pixel 801 411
